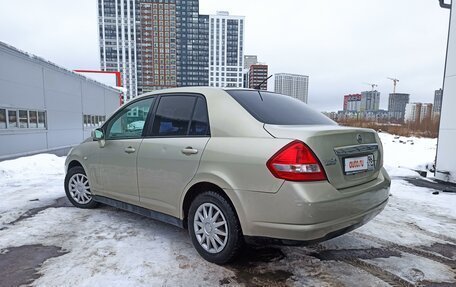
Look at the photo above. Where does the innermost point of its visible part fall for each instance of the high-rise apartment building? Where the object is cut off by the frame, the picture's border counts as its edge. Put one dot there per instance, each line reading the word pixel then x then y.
pixel 437 107
pixel 412 113
pixel 417 112
pixel 352 103
pixel 192 44
pixel 370 101
pixel 296 86
pixel 425 112
pixel 119 37
pixel 226 50
pixel 258 73
pixel 396 105
pixel 155 44
pixel 158 45
pixel 250 60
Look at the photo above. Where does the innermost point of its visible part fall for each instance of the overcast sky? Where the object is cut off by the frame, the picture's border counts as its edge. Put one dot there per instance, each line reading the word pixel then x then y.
pixel 339 44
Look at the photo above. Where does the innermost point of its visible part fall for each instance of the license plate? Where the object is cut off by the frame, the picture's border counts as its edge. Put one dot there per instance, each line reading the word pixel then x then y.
pixel 359 164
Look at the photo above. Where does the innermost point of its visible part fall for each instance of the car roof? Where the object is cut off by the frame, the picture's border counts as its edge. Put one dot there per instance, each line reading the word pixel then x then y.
pixel 220 107
pixel 190 89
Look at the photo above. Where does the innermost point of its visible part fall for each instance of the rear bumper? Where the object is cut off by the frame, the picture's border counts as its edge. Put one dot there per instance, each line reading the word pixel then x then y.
pixel 309 234
pixel 312 211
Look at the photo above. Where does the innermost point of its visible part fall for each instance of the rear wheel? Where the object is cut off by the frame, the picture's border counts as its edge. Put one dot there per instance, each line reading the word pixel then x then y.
pixel 214 228
pixel 77 188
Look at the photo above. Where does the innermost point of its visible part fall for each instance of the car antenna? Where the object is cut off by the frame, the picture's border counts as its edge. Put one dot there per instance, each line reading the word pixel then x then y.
pixel 257 87
pixel 261 97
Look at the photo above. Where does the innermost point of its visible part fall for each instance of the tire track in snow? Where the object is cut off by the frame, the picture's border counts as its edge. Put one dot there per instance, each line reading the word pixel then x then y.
pixel 411 250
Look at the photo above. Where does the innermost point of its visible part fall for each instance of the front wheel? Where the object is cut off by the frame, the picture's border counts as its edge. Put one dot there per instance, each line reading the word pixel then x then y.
pixel 214 228
pixel 77 188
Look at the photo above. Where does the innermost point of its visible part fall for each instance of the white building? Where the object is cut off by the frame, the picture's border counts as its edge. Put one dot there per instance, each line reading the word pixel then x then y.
pixel 46 108
pixel 426 111
pixel 226 50
pixel 117 22
pixel 296 86
pixel 412 112
pixel 445 168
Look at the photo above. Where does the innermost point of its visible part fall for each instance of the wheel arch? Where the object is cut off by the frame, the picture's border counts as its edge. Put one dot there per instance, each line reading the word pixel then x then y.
pixel 74 163
pixel 201 186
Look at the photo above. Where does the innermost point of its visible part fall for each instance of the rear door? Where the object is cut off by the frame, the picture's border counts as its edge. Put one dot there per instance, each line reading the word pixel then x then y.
pixel 171 151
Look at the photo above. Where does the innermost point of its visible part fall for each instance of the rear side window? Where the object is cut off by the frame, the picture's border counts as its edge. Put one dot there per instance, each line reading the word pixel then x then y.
pixel 277 109
pixel 200 121
pixel 173 116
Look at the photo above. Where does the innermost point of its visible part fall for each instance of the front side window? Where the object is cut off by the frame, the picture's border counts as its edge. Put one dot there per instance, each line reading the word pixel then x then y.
pixel 173 116
pixel 130 121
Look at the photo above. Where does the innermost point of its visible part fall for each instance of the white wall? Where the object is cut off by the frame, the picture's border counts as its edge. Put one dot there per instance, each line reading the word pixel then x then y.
pixel 446 151
pixel 30 84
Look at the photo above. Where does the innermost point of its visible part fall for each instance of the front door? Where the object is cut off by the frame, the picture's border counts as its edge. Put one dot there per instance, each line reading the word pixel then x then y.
pixel 117 176
pixel 171 151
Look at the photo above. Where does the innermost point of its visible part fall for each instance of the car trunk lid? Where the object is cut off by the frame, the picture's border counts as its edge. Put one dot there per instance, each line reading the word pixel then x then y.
pixel 338 148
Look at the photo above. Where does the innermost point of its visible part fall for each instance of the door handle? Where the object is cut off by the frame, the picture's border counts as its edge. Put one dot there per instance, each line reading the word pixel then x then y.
pixel 189 150
pixel 130 149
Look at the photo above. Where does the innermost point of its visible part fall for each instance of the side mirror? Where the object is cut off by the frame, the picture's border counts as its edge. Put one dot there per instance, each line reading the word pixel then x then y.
pixel 98 135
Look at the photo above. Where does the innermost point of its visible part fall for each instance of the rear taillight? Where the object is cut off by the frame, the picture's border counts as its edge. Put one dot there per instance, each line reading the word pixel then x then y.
pixel 296 162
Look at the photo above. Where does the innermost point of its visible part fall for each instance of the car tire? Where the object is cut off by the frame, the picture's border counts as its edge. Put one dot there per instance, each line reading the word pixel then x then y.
pixel 77 188
pixel 216 232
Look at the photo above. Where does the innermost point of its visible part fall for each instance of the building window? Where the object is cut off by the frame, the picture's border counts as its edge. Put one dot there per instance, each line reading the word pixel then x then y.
pixel 41 120
pixel 93 120
pixel 33 116
pixel 2 119
pixel 12 119
pixel 23 119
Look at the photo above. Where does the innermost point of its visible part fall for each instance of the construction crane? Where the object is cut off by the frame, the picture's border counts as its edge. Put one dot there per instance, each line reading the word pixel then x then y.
pixel 372 85
pixel 395 81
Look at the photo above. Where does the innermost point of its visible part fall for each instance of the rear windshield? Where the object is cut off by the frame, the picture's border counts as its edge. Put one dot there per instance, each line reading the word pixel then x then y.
pixel 277 109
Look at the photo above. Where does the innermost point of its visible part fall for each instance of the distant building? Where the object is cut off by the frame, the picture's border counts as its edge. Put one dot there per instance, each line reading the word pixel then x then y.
pixel 412 112
pixel 426 112
pixel 379 115
pixel 296 86
pixel 352 102
pixel 158 64
pixel 258 73
pixel 417 112
pixel 118 41
pixel 437 103
pixel 370 101
pixel 331 115
pixel 396 105
pixel 250 60
pixel 226 50
pixel 154 43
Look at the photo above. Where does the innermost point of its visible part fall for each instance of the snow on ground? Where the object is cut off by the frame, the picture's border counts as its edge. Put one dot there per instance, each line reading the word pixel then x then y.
pixel 413 239
pixel 24 180
pixel 404 153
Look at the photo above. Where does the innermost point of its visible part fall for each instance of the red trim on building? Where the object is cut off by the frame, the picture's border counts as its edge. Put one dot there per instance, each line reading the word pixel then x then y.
pixel 118 78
